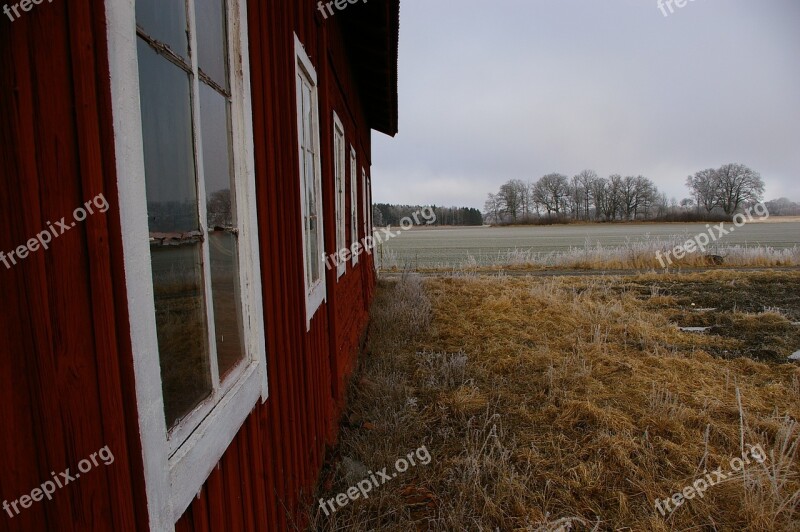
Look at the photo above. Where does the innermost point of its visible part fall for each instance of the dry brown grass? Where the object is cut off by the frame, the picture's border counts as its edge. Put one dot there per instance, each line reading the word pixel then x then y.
pixel 561 404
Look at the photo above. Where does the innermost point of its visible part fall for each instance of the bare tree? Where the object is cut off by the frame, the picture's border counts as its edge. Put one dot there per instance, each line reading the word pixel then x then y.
pixel 551 191
pixel 628 197
pixel 600 195
pixel 615 185
pixel 580 194
pixel 524 194
pixel 493 207
pixel 662 204
pixel 737 184
pixel 646 192
pixel 704 185
pixel 513 196
pixel 533 204
pixel 586 179
pixel 220 211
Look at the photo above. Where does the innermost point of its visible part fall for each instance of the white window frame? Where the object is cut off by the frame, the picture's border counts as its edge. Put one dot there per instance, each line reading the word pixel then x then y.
pixel 316 292
pixel 339 170
pixel 370 227
pixel 176 464
pixel 353 201
pixel 364 199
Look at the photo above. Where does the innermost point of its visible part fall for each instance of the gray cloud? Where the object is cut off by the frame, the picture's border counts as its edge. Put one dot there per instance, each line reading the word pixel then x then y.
pixel 491 91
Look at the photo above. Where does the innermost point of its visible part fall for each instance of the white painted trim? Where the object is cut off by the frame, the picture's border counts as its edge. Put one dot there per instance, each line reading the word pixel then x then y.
pixel 364 198
pixel 253 309
pixel 353 200
pixel 305 61
pixel 171 483
pixel 316 293
pixel 370 226
pixel 200 454
pixel 339 180
pixel 129 150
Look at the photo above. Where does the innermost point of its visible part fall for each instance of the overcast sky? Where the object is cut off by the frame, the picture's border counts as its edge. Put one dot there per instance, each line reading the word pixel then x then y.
pixel 491 91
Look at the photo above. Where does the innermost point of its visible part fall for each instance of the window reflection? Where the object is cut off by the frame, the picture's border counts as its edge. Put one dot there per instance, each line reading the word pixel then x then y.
pixel 217 157
pixel 181 327
pixel 212 47
pixel 227 309
pixel 167 136
pixel 165 21
pixel 223 244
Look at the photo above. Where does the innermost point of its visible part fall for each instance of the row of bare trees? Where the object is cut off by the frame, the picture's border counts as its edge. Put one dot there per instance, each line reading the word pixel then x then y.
pixel 587 196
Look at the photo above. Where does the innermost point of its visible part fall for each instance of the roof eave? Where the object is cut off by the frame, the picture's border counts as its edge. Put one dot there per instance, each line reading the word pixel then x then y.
pixel 371 34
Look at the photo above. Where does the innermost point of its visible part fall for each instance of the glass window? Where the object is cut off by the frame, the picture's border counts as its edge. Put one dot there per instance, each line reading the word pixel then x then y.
pixel 212 50
pixel 165 21
pixel 191 205
pixel 227 301
pixel 186 174
pixel 370 228
pixel 340 157
pixel 364 198
pixel 353 201
pixel 165 93
pixel 309 176
pixel 223 239
pixel 181 327
pixel 310 181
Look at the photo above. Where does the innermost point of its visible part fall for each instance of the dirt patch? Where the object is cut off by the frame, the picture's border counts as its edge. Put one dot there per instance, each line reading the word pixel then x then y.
pixel 758 310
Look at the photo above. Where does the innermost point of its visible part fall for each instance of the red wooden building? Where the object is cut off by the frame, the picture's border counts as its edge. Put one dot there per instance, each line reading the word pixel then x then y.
pixel 177 178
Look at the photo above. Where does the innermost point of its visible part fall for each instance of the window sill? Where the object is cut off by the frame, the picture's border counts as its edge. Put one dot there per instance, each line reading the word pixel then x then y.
pixel 194 461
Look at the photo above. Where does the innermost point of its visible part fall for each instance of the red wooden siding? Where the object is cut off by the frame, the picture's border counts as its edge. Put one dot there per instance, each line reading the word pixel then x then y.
pixel 307 370
pixel 66 367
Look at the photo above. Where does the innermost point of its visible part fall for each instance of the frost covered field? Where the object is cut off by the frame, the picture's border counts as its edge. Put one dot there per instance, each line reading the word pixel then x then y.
pixel 772 242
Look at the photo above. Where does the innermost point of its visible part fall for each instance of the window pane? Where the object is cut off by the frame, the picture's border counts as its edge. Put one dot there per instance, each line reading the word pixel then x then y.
pixel 227 295
pixel 217 157
pixel 218 170
pixel 181 326
pixel 165 21
pixel 212 40
pixel 340 198
pixel 353 202
pixel 168 141
pixel 313 251
pixel 307 123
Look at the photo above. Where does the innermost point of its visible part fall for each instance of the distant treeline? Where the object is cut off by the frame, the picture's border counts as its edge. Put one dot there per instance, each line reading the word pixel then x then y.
pixel 716 194
pixel 783 207
pixel 384 214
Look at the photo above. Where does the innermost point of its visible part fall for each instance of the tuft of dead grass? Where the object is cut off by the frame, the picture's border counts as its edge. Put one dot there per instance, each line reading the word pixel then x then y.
pixel 564 404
